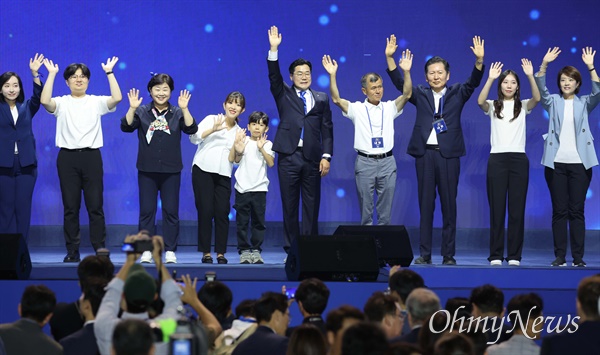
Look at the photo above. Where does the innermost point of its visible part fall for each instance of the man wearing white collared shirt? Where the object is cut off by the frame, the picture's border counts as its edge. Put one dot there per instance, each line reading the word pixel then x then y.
pixel 375 167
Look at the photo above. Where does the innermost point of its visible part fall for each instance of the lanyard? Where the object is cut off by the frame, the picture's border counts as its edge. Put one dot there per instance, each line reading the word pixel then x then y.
pixel 369 117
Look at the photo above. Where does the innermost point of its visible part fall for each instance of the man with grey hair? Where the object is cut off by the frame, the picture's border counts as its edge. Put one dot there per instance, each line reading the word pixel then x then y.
pixel 373 119
pixel 420 304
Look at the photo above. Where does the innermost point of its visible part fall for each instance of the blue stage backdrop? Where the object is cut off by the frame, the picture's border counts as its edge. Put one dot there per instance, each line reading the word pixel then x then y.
pixel 213 47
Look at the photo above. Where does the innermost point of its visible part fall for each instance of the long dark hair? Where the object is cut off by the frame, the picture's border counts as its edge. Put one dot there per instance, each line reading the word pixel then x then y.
pixel 499 104
pixel 6 77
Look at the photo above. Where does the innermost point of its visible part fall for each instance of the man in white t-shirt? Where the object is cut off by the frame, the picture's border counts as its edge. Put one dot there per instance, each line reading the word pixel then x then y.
pixel 79 137
pixel 373 119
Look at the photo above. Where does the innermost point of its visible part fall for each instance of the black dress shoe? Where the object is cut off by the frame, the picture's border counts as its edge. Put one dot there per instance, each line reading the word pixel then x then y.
pixel 207 259
pixel 221 259
pixel 421 261
pixel 72 258
pixel 448 260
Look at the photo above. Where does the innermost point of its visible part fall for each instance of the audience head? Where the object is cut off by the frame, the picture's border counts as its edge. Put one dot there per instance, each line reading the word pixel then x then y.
pixel 487 300
pixel 307 339
pixel 337 321
pixel 588 294
pixel 37 303
pixel 454 344
pixel 479 339
pixel 132 337
pixel 433 328
pixel 527 307
pixel 421 304
pixel 272 310
pixel 404 348
pixel 403 281
pixel 139 290
pixel 455 303
pixel 312 296
pixel 245 309
pixel 364 338
pixel 217 298
pixel 384 310
pixel 94 266
pixel 11 81
pixel 90 300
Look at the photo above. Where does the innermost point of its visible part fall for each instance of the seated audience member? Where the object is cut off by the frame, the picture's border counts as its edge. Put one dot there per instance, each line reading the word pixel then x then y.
pixel 217 297
pixel 454 344
pixel 26 335
pixel 479 339
pixel 432 330
pixel 523 310
pixel 307 339
pixel 83 341
pixel 420 305
pixel 488 301
pixel 273 317
pixel 401 284
pixel 404 349
pixel 67 318
pixel 133 337
pixel 337 321
pixel 586 339
pixel 244 324
pixel 312 296
pixel 207 319
pixel 384 310
pixel 364 338
pixel 135 290
pixel 460 304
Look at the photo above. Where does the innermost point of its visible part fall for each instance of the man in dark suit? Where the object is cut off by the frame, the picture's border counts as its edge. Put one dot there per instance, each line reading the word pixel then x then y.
pixel 437 143
pixel 304 142
pixel 421 304
pixel 26 336
pixel 273 317
pixel 312 296
pixel 584 339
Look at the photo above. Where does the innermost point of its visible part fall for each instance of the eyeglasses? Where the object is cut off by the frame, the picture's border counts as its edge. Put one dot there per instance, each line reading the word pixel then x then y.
pixel 75 77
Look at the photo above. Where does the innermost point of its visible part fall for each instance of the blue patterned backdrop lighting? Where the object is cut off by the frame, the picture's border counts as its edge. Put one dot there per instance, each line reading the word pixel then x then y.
pixel 534 14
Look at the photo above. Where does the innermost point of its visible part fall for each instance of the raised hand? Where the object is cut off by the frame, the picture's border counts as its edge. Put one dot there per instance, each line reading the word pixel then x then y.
pixel 134 100
pixel 189 290
pixel 588 56
pixel 260 142
pixel 495 70
pixel 274 37
pixel 219 122
pixel 184 99
pixel 36 62
pixel 330 65
pixel 478 48
pixel 110 64
pixel 240 142
pixel 551 55
pixel 50 66
pixel 527 66
pixel 405 62
pixel 391 46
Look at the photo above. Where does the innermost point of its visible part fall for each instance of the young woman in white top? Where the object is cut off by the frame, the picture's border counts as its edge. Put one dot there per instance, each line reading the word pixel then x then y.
pixel 508 165
pixel 211 174
pixel 569 153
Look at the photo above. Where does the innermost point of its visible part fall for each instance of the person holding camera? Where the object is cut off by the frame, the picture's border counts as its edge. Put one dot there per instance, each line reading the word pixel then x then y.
pixel 135 289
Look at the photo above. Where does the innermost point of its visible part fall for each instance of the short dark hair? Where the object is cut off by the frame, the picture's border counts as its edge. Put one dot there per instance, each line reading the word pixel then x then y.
pixel 268 303
pixel 245 309
pixel 524 305
pixel 236 96
pixel 132 337
pixel 72 68
pixel 437 59
pixel 454 303
pixel 572 73
pixel 94 291
pixel 159 79
pixel 379 305
pixel 307 339
pixel 335 318
pixel 217 298
pixel 258 117
pixel 95 266
pixel 454 344
pixel 6 77
pixel 588 293
pixel 433 328
pixel 369 78
pixel 313 294
pixel 37 302
pixel 488 298
pixel 299 62
pixel 364 338
pixel 404 281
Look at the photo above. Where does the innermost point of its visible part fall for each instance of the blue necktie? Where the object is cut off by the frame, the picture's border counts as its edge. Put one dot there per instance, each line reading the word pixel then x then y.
pixel 303 97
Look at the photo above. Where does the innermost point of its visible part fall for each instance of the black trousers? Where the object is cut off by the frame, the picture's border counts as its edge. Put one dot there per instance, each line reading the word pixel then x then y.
pixel 568 185
pixel 211 194
pixel 250 209
pixel 16 193
pixel 78 170
pixel 168 184
pixel 433 170
pixel 507 178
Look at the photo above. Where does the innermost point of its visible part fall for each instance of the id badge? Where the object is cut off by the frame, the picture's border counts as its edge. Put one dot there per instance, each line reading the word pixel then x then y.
pixel 377 142
pixel 439 126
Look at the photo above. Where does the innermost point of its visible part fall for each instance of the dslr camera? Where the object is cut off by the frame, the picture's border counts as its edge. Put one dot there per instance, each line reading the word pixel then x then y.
pixel 138 246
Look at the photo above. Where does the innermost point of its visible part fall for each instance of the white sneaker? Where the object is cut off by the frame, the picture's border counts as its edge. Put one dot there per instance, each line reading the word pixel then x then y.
pixel 170 257
pixel 496 262
pixel 146 257
pixel 246 257
pixel 256 257
pixel 514 263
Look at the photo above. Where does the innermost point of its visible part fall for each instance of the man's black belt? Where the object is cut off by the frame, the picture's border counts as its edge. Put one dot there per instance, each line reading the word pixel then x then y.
pixel 375 156
pixel 79 149
pixel 432 147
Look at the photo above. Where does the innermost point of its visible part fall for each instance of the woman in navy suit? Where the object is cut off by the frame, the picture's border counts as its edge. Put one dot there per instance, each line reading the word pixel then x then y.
pixel 18 164
pixel 569 153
